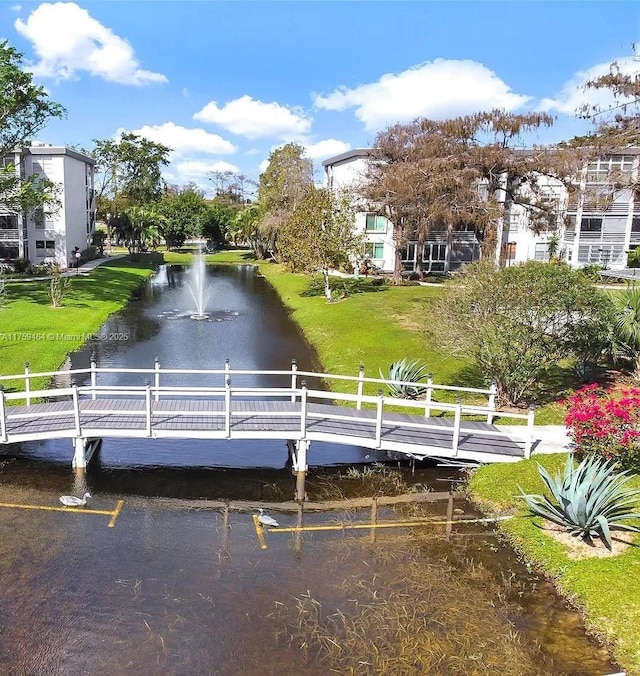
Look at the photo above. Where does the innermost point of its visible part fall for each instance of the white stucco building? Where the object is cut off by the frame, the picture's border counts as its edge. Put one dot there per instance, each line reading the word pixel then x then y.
pixel 598 224
pixel 51 237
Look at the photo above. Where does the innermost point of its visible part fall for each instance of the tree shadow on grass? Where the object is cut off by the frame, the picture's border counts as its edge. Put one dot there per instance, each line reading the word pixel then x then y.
pixel 345 287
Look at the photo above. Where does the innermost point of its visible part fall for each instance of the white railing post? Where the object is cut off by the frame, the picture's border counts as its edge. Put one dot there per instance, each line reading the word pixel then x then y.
pixel 360 386
pixel 27 383
pixel 379 419
pixel 493 390
pixel 294 378
pixel 76 408
pixel 147 405
pixel 156 379
pixel 428 396
pixel 456 426
pixel 92 366
pixel 3 416
pixel 303 410
pixel 530 423
pixel 227 408
pixel 227 370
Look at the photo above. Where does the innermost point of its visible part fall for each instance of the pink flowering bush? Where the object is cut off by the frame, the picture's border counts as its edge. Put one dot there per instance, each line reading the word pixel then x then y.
pixel 606 423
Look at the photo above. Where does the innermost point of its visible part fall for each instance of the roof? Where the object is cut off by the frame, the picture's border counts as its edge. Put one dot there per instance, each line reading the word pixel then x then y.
pixel 59 150
pixel 348 155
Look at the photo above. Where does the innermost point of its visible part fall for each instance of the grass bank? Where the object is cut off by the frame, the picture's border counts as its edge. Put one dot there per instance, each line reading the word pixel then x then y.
pixel 32 330
pixel 605 589
pixel 374 327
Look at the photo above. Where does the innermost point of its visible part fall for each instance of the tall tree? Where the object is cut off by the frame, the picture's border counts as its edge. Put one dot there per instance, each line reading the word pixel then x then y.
pixel 137 228
pixel 25 109
pixel 463 172
pixel 282 187
pixel 231 187
pixel 319 234
pixel 184 214
pixel 129 172
pixel 244 230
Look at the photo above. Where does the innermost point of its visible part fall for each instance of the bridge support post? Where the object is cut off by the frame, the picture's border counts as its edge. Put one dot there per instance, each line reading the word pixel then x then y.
pixel 298 451
pixel 79 457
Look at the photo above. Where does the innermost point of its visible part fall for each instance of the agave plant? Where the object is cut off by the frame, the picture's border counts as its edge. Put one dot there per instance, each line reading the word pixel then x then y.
pixel 404 371
pixel 590 500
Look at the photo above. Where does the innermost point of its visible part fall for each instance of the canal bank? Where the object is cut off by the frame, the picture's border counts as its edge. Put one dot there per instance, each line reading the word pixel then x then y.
pixel 33 331
pixel 168 633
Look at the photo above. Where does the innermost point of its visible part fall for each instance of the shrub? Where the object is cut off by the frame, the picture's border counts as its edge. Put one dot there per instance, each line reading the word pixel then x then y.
pixel 589 501
pixel 606 424
pixel 633 258
pixel 22 265
pixel 404 371
pixel 592 272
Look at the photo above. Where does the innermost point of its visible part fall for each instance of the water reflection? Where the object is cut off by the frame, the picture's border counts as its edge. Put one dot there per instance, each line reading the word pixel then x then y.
pixel 178 588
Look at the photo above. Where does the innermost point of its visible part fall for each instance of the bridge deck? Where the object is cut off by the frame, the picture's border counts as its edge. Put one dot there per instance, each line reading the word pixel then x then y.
pixel 205 418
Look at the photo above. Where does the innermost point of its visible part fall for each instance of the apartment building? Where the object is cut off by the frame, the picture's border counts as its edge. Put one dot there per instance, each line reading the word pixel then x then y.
pixel 51 236
pixel 440 252
pixel 597 224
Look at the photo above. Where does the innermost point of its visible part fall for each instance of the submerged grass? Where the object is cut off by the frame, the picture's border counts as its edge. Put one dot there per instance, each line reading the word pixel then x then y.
pixel 603 588
pixel 414 613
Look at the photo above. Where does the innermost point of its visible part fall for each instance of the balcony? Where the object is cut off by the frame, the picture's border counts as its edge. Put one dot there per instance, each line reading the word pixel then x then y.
pixel 9 235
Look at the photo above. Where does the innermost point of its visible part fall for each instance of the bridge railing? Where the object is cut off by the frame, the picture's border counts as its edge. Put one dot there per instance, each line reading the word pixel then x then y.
pixel 152 396
pixel 360 382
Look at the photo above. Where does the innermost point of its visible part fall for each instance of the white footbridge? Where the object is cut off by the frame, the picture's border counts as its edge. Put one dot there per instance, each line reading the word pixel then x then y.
pixel 355 411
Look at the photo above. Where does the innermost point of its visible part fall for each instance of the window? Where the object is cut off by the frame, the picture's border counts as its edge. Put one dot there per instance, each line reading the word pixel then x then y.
pixel 374 250
pixel 591 225
pixel 434 252
pixel 45 247
pixel 635 224
pixel 8 222
pixel 38 218
pixel 542 251
pixel 376 223
pixel 508 252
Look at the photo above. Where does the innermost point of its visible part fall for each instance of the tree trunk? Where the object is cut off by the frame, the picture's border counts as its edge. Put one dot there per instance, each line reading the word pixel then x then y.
pixel 397 263
pixel 327 288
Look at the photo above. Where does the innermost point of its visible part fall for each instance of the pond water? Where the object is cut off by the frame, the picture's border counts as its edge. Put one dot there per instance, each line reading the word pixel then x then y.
pixel 175 588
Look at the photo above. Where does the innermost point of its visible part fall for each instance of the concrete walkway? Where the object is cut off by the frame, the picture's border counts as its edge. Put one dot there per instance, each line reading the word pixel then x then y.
pixel 83 270
pixel 546 438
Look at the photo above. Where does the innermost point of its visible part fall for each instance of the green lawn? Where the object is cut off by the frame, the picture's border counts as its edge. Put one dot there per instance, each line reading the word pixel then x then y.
pixel 32 330
pixel 606 589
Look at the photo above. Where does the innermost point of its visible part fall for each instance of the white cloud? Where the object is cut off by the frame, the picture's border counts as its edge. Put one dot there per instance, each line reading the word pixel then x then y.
pixel 255 119
pixel 196 167
pixel 67 40
pixel 184 141
pixel 323 149
pixel 435 89
pixel 263 166
pixel 574 95
pixel 196 171
pixel 16 8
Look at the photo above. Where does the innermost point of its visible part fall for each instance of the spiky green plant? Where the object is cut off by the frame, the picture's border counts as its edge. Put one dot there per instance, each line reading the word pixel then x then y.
pixel 405 371
pixel 627 326
pixel 589 500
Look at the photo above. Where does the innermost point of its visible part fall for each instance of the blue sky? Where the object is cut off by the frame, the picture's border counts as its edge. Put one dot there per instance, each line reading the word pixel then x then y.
pixel 224 83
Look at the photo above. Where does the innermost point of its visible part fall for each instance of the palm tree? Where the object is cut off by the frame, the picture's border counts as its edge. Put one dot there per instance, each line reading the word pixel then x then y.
pixel 137 228
pixel 627 326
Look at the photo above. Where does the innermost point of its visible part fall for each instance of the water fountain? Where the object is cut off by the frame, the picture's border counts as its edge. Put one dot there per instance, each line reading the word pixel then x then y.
pixel 198 287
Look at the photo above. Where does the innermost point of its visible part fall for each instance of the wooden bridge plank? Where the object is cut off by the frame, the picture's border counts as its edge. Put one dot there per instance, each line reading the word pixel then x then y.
pixel 255 416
